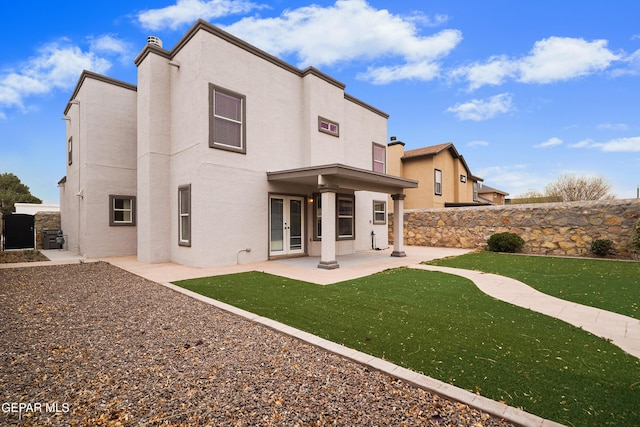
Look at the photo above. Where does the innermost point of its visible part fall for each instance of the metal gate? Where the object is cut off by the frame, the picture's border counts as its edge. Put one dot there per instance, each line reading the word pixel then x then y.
pixel 17 230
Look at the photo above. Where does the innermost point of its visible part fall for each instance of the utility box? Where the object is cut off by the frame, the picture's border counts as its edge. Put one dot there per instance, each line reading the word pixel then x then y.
pixel 50 239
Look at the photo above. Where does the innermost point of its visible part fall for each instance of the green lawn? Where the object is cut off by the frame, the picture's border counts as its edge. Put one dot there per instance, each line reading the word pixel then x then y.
pixel 607 284
pixel 443 326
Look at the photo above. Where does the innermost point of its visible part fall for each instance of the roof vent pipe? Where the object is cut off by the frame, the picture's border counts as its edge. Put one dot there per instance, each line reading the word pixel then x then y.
pixel 155 41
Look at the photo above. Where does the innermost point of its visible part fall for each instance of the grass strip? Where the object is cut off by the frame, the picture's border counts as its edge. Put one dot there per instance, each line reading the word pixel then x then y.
pixel 443 326
pixel 607 284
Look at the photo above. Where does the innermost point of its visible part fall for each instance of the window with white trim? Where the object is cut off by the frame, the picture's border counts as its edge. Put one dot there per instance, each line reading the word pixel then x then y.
pixel 328 126
pixel 379 212
pixel 122 210
pixel 346 217
pixel 437 182
pixel 70 150
pixel 227 120
pixel 184 215
pixel 379 158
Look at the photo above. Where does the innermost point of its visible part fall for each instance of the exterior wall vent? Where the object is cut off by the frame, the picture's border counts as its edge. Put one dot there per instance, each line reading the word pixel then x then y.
pixel 153 40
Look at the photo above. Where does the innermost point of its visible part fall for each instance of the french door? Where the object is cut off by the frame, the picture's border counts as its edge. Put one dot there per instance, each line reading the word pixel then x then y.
pixel 286 225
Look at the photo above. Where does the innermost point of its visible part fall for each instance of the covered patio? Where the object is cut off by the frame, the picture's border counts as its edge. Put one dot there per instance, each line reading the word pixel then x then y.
pixel 329 180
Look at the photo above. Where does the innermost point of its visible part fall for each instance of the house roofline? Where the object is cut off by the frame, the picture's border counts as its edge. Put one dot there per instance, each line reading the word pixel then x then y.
pixel 99 77
pixel 437 149
pixel 230 38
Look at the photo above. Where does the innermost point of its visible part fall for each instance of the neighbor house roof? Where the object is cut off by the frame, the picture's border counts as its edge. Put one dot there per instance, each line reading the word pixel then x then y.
pixel 432 150
pixel 487 189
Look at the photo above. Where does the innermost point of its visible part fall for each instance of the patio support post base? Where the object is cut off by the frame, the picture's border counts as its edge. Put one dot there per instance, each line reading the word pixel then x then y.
pixel 328 265
pixel 398 225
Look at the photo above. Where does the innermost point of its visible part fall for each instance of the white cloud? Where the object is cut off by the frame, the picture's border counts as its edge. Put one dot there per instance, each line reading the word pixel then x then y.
pixel 551 142
pixel 627 145
pixel 186 12
pixel 478 110
pixel 514 179
pixel 477 143
pixel 613 126
pixel 550 60
pixel 351 30
pixel 57 66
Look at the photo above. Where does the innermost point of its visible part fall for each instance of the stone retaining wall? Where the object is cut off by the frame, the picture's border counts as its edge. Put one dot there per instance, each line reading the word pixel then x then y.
pixel 45 221
pixel 548 228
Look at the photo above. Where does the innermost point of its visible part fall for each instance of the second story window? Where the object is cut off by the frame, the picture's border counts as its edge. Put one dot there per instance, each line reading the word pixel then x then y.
pixel 379 158
pixel 227 120
pixel 437 182
pixel 328 126
pixel 70 151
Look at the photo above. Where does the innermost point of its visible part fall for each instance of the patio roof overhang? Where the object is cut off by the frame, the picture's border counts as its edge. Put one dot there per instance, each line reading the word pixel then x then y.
pixel 337 175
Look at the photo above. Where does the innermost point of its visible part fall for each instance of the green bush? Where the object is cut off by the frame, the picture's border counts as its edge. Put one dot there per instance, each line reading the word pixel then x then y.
pixel 635 240
pixel 505 242
pixel 602 247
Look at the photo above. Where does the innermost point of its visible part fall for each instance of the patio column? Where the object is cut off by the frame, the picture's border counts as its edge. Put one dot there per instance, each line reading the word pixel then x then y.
pixel 398 225
pixel 328 254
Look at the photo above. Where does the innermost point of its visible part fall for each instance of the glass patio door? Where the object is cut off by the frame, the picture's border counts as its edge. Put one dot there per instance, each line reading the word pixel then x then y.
pixel 286 225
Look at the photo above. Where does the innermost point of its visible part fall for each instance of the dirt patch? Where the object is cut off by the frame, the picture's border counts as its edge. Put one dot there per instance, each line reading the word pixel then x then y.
pixel 21 256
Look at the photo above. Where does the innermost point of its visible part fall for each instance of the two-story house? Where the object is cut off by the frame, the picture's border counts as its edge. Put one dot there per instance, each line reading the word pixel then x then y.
pixel 444 177
pixel 222 152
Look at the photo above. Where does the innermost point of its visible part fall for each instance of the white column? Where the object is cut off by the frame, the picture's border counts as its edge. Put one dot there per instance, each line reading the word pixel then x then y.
pixel 328 255
pixel 398 225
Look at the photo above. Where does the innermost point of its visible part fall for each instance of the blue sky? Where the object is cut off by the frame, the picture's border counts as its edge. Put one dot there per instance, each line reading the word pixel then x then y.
pixel 526 90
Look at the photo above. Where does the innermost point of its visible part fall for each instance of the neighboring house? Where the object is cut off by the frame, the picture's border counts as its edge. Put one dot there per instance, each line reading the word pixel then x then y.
pixel 223 153
pixel 491 195
pixel 444 177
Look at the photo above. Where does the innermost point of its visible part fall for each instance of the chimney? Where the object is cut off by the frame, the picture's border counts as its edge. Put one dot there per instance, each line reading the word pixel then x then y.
pixel 154 41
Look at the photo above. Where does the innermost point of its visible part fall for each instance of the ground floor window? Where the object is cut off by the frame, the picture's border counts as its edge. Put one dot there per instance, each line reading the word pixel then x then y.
pixel 184 213
pixel 346 217
pixel 379 212
pixel 122 210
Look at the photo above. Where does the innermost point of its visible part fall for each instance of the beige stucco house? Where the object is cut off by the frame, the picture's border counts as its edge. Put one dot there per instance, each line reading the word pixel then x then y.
pixel 222 153
pixel 444 177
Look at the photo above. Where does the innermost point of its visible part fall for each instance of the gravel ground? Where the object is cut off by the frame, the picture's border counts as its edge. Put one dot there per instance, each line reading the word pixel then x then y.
pixel 90 344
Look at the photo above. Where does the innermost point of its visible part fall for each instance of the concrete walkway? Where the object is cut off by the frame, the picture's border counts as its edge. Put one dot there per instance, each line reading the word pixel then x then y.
pixel 622 331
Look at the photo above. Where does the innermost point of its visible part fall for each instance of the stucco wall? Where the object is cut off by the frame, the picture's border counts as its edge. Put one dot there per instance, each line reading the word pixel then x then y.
pixel 549 228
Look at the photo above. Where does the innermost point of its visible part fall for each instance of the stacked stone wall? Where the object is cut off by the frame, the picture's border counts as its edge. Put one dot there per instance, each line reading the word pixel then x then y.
pixel 549 228
pixel 45 221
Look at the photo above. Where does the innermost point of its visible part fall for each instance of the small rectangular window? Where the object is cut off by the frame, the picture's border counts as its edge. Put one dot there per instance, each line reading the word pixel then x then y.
pixel 227 120
pixel 437 184
pixel 328 126
pixel 379 158
pixel 379 212
pixel 184 214
pixel 122 210
pixel 70 150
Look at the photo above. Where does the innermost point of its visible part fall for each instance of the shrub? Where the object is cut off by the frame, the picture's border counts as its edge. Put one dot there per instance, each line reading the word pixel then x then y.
pixel 505 242
pixel 602 247
pixel 635 240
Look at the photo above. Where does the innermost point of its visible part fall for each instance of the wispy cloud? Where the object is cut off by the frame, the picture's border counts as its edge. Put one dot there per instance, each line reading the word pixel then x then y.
pixel 613 126
pixel 56 66
pixel 550 60
pixel 353 30
pixel 551 142
pixel 479 109
pixel 186 12
pixel 631 144
pixel 477 143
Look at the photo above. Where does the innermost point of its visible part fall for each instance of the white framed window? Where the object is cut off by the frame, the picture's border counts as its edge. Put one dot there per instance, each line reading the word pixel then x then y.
pixel 184 215
pixel 379 212
pixel 328 126
pixel 70 150
pixel 227 120
pixel 437 182
pixel 379 158
pixel 122 210
pixel 475 191
pixel 346 218
pixel 317 217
